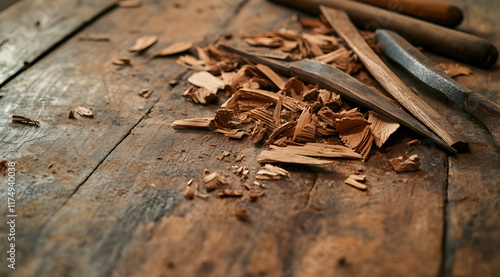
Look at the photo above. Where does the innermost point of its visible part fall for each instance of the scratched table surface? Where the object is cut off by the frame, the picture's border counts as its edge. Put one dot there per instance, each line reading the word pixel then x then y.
pixel 103 196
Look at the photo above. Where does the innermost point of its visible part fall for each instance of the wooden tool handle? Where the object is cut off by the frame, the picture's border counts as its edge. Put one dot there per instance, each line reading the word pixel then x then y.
pixel 449 42
pixel 485 111
pixel 433 11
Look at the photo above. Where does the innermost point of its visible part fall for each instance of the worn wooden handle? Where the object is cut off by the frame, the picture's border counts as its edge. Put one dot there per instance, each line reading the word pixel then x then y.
pixel 433 11
pixel 485 111
pixel 445 41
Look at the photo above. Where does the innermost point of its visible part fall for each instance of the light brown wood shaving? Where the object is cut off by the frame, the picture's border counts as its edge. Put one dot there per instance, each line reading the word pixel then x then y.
pixel 143 43
pixel 271 75
pixel 117 60
pixel 382 127
pixel 241 214
pixel 356 134
pixel 231 193
pixel 454 70
pixel 145 92
pixel 206 80
pixel 411 164
pixel 84 111
pixel 271 172
pixel 214 179
pixel 189 193
pixel 355 181
pixel 201 95
pixel 175 48
pixel 193 123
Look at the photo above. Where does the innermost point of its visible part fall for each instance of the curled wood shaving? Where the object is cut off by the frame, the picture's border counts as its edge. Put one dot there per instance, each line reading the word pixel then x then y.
pixel 145 92
pixel 116 60
pixel 201 95
pixel 84 111
pixel 382 127
pixel 175 48
pixel 143 43
pixel 271 172
pixel 454 70
pixel 411 164
pixel 214 179
pixel 25 120
pixel 95 37
pixel 193 123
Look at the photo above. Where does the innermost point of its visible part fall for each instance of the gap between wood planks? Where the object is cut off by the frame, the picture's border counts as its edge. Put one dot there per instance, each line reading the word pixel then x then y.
pixel 447 248
pixel 57 44
pixel 208 38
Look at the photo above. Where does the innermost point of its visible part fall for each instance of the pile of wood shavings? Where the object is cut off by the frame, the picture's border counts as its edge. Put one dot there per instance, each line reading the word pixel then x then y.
pixel 300 123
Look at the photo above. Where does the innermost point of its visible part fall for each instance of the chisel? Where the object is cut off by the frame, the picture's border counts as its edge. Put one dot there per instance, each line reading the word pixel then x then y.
pixel 410 58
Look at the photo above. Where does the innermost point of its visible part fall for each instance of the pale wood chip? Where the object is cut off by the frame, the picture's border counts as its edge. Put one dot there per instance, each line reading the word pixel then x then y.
pixel 352 182
pixel 206 80
pixel 411 164
pixel 201 95
pixel 143 43
pixel 359 178
pixel 455 69
pixel 356 134
pixel 214 179
pixel 84 111
pixel 193 123
pixel 145 92
pixel 271 75
pixel 382 127
pixel 95 37
pixel 117 60
pixel 175 48
pixel 305 131
pixel 271 172
pixel 189 193
pixel 128 3
pixel 25 120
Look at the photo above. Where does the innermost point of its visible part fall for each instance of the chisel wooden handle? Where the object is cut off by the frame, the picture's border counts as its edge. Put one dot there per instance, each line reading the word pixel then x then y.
pixel 433 11
pixel 449 42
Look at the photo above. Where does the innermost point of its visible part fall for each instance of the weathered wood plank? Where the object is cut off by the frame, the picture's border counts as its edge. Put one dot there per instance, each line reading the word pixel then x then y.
pixel 138 222
pixel 473 214
pixel 55 158
pixel 30 28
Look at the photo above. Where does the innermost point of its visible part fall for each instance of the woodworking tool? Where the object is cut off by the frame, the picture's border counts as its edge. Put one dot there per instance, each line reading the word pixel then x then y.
pixel 441 13
pixel 445 41
pixel 410 58
pixel 336 80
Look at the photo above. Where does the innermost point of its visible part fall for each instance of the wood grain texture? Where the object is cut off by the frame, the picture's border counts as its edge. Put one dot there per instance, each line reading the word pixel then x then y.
pixel 30 28
pixel 80 73
pixel 420 109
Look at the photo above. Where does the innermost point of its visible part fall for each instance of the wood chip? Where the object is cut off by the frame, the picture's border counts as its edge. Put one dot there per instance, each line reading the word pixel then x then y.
pixel 128 3
pixel 305 131
pixel 255 193
pixel 213 180
pixel 117 60
pixel 175 48
pixel 201 95
pixel 143 43
pixel 71 114
pixel 382 127
pixel 206 80
pixel 411 164
pixel 455 69
pixel 24 120
pixel 306 154
pixel 193 123
pixel 189 193
pixel 241 214
pixel 356 134
pixel 84 111
pixel 95 37
pixel 413 142
pixel 271 75
pixel 355 183
pixel 271 172
pixel 231 193
pixel 145 92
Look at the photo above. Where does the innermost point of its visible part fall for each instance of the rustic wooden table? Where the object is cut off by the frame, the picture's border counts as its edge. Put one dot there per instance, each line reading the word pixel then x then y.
pixel 94 200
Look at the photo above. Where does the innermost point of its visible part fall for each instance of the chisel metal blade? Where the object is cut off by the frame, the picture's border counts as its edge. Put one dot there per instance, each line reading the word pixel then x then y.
pixel 410 58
